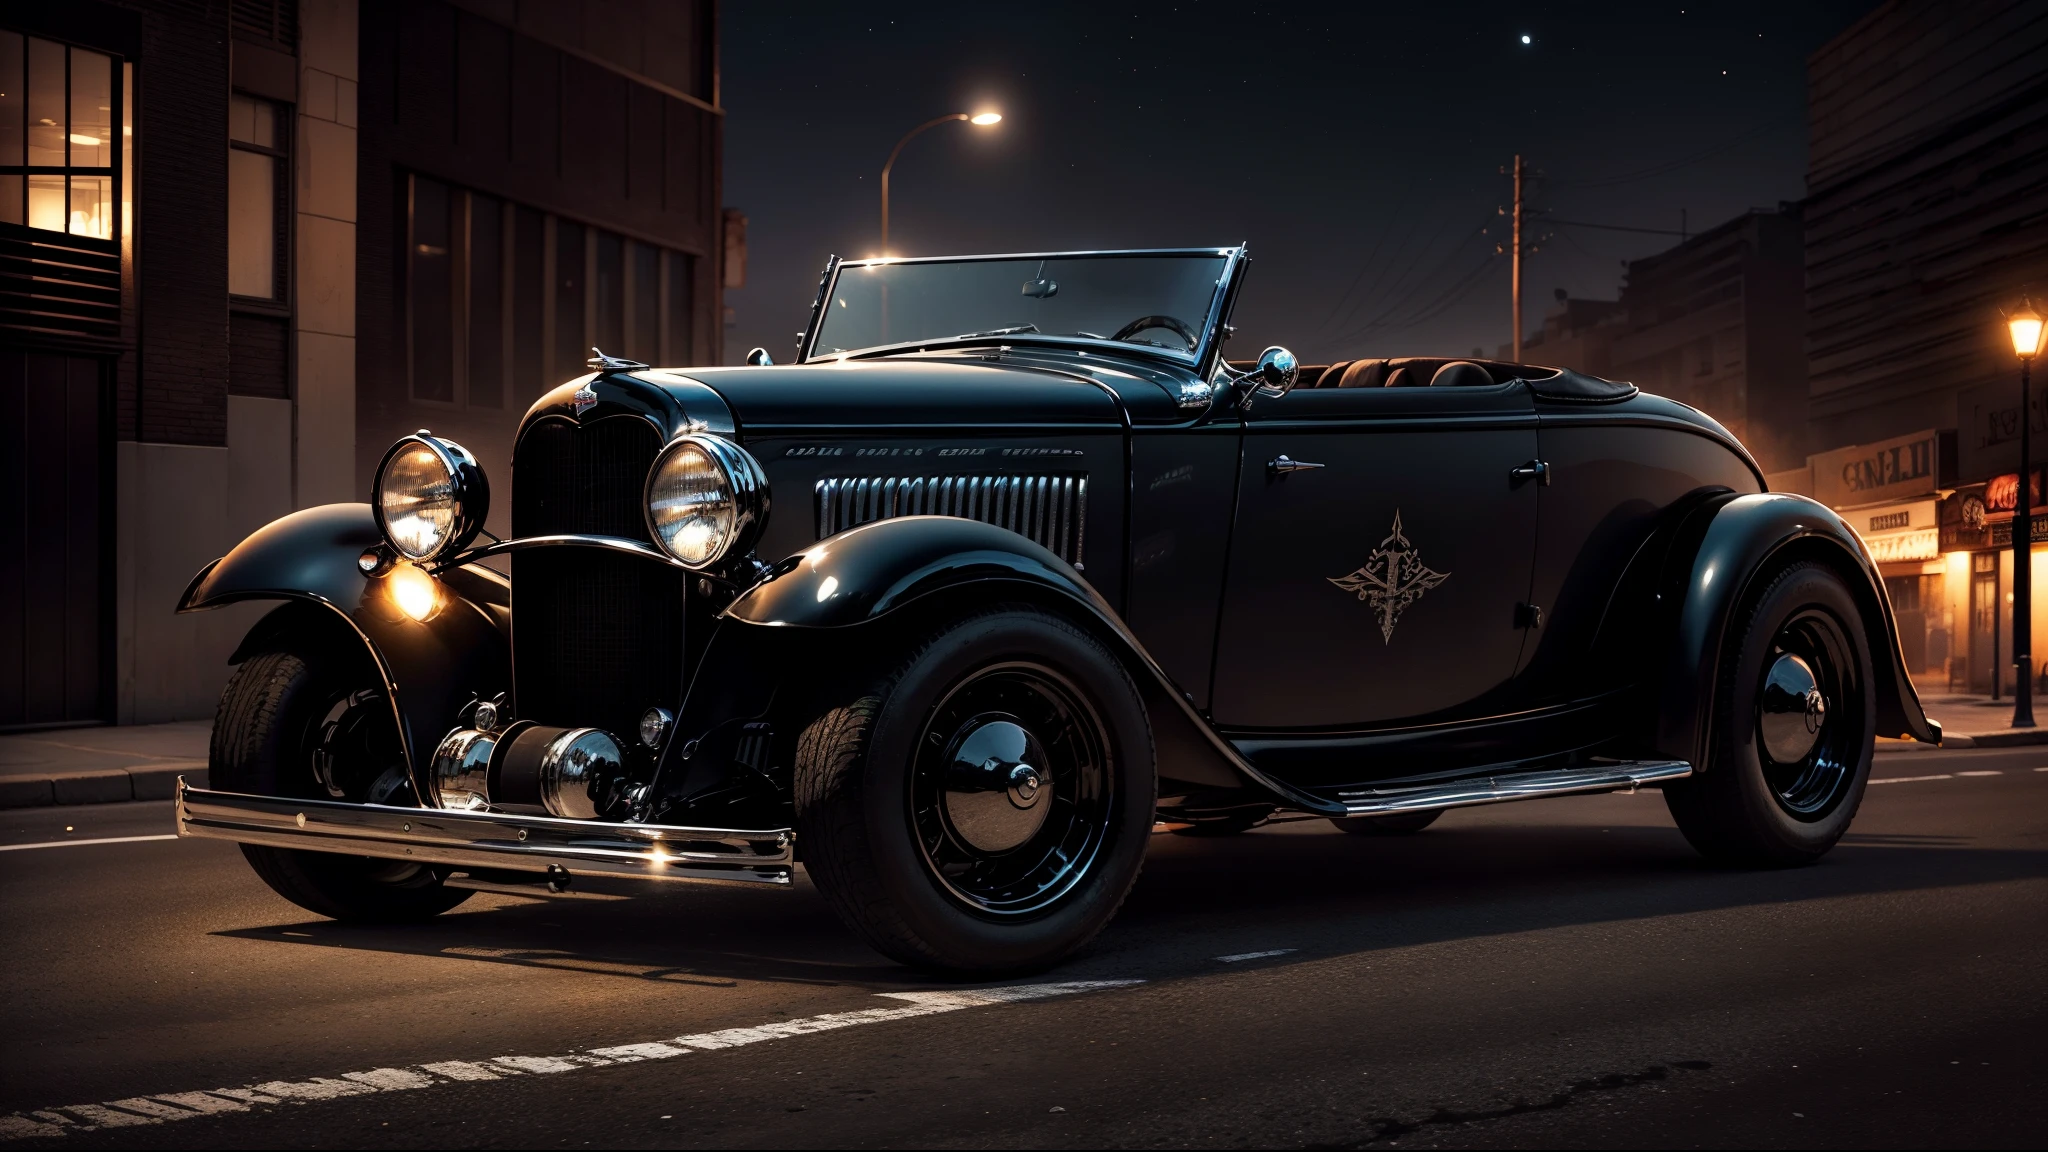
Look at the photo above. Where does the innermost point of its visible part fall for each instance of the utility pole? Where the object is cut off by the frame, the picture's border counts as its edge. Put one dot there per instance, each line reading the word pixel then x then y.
pixel 1516 259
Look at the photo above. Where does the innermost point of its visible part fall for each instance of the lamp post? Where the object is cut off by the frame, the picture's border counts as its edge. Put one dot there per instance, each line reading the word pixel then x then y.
pixel 2025 327
pixel 978 119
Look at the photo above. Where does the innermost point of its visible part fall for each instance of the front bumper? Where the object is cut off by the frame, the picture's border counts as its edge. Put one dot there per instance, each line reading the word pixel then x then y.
pixel 489 841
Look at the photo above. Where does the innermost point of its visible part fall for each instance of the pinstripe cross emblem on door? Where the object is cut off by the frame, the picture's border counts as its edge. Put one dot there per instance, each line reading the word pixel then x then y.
pixel 1391 579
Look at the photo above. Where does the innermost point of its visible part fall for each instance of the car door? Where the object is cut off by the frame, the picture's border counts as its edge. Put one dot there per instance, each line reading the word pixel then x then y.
pixel 1379 559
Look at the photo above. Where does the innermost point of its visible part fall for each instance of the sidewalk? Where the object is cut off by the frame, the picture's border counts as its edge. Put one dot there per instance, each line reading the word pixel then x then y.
pixel 101 765
pixel 1981 722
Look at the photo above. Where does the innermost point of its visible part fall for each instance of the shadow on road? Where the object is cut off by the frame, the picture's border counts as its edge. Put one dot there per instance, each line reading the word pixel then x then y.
pixel 1300 886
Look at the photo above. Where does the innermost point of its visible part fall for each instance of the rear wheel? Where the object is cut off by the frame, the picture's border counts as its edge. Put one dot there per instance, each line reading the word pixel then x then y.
pixel 1794 726
pixel 1399 824
pixel 302 720
pixel 984 806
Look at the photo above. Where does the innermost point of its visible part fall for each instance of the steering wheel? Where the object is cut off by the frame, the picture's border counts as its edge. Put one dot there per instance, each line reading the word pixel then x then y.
pixel 1167 322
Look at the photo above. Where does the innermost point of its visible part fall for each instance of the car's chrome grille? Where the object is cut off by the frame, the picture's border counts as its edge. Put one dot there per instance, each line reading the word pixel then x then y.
pixel 1050 509
pixel 597 636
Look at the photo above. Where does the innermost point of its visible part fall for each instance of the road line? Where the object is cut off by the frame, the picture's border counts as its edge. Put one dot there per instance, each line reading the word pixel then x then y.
pixel 77 843
pixel 161 1108
pixel 1982 772
pixel 1239 956
pixel 1908 779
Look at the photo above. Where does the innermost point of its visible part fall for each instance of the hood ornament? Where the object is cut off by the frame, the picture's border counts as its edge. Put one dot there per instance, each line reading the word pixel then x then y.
pixel 586 396
pixel 1391 579
pixel 599 362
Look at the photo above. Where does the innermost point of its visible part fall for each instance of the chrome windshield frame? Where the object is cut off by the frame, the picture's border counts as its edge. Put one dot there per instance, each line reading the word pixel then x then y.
pixel 1204 356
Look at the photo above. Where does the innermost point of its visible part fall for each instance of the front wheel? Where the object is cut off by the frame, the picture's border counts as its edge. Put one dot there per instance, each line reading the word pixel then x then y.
pixel 1794 726
pixel 308 721
pixel 984 806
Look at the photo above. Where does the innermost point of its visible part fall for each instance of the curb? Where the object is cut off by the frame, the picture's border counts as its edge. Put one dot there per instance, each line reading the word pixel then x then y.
pixel 100 785
pixel 2012 738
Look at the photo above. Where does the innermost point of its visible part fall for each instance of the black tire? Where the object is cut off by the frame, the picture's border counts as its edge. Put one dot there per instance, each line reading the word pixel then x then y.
pixel 1756 807
pixel 1399 824
pixel 883 823
pixel 304 721
pixel 1231 825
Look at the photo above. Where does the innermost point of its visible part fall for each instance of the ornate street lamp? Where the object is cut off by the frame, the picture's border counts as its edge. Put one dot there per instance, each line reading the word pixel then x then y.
pixel 2025 327
pixel 978 119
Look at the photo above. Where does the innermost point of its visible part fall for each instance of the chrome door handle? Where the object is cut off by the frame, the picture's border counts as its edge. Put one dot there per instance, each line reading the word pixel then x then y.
pixel 1283 465
pixel 1536 470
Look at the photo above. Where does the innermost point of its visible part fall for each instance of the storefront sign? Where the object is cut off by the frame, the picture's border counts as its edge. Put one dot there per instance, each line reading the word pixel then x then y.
pixel 1894 469
pixel 1979 516
pixel 1897 547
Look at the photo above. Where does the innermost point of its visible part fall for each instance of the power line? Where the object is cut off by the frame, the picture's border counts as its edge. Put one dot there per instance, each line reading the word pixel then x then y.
pixel 1612 227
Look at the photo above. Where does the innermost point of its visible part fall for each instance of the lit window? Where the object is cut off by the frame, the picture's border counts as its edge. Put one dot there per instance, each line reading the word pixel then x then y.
pixel 59 137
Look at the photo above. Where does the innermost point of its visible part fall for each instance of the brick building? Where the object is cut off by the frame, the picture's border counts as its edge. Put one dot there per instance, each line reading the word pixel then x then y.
pixel 244 246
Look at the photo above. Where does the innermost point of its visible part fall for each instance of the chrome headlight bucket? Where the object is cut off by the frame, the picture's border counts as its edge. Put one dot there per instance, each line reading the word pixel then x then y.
pixel 430 497
pixel 707 499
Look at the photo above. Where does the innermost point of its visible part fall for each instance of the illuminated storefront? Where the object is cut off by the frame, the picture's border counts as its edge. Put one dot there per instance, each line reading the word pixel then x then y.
pixel 1890 494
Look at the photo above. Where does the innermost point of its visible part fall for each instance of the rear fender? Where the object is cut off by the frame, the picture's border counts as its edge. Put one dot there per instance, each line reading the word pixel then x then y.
pixel 863 581
pixel 429 669
pixel 1723 552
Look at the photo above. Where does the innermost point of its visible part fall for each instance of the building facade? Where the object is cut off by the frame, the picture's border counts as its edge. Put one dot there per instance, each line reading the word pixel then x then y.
pixel 243 247
pixel 1716 322
pixel 1926 217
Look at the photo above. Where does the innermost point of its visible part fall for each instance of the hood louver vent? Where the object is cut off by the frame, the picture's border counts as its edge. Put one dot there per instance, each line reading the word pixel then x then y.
pixel 1049 509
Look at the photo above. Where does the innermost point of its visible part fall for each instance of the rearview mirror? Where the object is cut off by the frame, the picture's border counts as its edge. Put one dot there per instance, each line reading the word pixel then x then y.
pixel 1277 371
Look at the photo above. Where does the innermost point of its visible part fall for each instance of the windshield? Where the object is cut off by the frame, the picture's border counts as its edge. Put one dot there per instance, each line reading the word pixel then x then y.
pixel 1158 300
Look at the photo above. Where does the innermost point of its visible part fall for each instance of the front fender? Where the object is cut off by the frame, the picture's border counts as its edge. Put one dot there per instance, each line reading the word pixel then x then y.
pixel 866 574
pixel 430 669
pixel 1725 546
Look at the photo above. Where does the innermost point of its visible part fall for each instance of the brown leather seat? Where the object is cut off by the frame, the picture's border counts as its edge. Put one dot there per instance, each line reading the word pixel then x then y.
pixel 1363 374
pixel 1402 377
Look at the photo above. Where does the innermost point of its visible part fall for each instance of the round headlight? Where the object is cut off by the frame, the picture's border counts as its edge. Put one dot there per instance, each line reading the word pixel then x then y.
pixel 430 497
pixel 706 499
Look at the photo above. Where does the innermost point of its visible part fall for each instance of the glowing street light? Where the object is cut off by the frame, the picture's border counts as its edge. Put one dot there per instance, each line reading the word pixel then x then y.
pixel 978 119
pixel 2025 328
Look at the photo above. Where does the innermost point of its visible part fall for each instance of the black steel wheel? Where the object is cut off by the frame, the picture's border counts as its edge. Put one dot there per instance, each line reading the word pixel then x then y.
pixel 1794 727
pixel 983 806
pixel 1012 790
pixel 308 720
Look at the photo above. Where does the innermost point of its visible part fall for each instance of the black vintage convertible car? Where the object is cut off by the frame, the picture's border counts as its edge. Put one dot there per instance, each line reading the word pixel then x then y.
pixel 1042 571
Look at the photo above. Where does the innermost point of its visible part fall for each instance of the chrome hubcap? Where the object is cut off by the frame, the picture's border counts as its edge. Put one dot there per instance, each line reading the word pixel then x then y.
pixel 995 796
pixel 1792 710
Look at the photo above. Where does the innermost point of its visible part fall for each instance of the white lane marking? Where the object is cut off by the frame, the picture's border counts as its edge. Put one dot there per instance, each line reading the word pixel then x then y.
pixel 1908 779
pixel 1237 956
pixel 77 843
pixel 167 1106
pixel 1982 772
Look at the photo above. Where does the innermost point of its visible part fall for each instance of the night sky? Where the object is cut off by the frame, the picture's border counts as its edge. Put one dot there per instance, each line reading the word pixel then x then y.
pixel 1357 148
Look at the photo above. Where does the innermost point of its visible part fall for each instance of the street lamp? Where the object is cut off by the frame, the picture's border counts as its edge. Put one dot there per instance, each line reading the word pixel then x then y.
pixel 2025 327
pixel 978 119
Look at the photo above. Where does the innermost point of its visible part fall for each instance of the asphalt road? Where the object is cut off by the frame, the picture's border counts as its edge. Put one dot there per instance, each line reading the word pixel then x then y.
pixel 1559 972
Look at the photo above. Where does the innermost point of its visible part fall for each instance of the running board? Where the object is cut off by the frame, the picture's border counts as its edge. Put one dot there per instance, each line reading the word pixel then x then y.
pixel 1624 775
